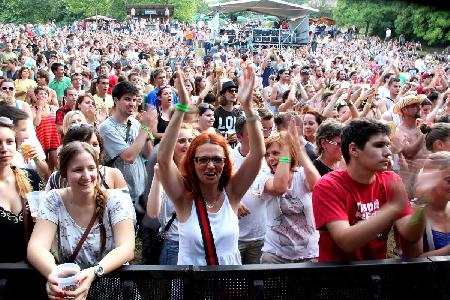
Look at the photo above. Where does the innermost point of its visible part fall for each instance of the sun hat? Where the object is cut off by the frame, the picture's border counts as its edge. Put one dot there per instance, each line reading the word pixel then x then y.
pixel 409 98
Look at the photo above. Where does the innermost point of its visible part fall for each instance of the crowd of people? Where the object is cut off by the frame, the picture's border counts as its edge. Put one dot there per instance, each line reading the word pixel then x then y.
pixel 264 155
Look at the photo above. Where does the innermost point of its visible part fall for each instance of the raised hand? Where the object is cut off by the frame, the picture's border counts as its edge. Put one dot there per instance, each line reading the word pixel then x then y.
pixel 295 132
pixel 183 95
pixel 399 196
pixel 246 85
pixel 149 117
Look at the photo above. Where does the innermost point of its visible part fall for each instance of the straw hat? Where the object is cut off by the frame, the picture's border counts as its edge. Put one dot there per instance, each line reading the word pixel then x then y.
pixel 409 98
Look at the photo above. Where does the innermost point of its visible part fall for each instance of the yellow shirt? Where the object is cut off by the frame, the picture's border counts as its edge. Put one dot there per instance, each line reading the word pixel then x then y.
pixel 23 86
pixel 108 101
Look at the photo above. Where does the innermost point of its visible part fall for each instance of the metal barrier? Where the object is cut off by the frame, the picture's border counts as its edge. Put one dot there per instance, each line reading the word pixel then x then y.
pixel 427 278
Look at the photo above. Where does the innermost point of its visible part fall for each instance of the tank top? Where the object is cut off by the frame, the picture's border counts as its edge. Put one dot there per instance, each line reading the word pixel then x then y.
pixel 46 132
pixel 225 229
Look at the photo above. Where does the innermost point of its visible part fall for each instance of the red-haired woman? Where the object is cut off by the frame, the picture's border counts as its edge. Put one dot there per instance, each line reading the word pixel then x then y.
pixel 206 186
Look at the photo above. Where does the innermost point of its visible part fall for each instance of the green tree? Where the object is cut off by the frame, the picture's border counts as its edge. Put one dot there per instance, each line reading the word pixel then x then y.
pixel 414 21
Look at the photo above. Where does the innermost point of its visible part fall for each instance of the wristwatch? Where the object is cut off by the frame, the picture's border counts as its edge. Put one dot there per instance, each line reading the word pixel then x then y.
pixel 98 271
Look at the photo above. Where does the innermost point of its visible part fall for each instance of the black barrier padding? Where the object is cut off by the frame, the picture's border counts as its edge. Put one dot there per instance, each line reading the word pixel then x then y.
pixel 384 279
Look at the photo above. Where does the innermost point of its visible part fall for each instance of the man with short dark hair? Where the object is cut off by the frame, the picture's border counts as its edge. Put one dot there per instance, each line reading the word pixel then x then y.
pixel 127 142
pixel 61 82
pixel 70 99
pixel 101 96
pixel 355 208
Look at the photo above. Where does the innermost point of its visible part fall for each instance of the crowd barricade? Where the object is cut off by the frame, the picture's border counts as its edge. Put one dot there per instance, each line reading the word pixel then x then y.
pixel 426 278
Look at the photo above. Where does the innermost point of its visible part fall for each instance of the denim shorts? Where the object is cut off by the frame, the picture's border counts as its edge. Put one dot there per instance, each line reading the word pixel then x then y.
pixel 169 252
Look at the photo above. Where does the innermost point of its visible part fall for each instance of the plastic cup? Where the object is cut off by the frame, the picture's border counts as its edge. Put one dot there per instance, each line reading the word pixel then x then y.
pixel 26 147
pixel 66 274
pixel 34 199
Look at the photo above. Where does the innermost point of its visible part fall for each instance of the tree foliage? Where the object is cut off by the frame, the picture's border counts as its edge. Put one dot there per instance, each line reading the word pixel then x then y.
pixel 413 20
pixel 42 11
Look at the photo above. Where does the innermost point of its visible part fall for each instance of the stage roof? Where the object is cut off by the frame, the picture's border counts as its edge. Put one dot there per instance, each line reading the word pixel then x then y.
pixel 279 8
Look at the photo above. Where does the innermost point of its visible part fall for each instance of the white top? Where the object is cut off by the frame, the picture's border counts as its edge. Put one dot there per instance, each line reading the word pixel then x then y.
pixel 291 232
pixel 118 208
pixel 225 229
pixel 253 226
pixel 165 214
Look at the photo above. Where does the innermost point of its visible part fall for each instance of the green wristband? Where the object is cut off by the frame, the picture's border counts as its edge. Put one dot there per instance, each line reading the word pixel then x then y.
pixel 182 107
pixel 284 159
pixel 415 219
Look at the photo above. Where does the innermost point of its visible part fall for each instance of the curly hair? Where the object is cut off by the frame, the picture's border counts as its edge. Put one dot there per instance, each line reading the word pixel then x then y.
pixel 328 130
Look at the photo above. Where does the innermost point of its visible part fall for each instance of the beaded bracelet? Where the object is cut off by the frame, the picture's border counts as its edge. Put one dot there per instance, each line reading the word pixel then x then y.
pixel 182 107
pixel 284 159
pixel 148 131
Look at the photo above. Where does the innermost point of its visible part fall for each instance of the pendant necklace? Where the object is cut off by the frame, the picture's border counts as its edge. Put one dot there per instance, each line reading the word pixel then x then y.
pixel 213 203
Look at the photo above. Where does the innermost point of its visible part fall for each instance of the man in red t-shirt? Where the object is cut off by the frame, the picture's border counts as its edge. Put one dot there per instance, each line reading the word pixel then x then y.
pixel 355 208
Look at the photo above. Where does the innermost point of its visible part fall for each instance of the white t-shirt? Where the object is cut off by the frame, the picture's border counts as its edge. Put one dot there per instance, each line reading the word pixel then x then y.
pixel 118 208
pixel 253 226
pixel 291 232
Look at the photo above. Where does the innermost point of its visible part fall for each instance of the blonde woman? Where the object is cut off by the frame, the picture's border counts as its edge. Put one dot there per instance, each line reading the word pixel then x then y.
pixel 71 118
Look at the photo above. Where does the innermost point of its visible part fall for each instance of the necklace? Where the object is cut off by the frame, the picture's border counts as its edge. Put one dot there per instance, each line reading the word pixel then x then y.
pixel 213 203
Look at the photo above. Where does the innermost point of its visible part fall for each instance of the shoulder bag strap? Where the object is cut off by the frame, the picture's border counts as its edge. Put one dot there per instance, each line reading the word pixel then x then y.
pixel 110 162
pixel 102 177
pixel 83 238
pixel 167 227
pixel 429 232
pixel 207 235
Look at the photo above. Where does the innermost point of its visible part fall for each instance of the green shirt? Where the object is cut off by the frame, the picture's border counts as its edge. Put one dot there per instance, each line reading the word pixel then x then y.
pixel 60 86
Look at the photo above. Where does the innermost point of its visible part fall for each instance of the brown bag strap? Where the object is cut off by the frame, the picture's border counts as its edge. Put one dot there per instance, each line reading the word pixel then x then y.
pixel 83 238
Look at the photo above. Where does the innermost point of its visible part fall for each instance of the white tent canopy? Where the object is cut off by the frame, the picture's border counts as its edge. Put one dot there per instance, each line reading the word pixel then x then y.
pixel 277 8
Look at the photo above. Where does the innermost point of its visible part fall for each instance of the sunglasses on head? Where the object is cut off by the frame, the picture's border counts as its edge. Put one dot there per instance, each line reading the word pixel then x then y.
pixel 6 120
pixel 76 126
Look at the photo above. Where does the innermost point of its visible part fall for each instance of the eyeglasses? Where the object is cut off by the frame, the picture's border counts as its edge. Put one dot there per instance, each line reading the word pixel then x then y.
pixel 334 143
pixel 204 160
pixel 232 90
pixel 6 88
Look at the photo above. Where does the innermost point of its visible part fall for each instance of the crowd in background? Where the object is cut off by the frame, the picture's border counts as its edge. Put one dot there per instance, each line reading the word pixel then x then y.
pixel 298 154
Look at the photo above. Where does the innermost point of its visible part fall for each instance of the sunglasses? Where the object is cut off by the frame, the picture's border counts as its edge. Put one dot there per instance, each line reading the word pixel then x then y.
pixel 232 90
pixel 204 106
pixel 6 88
pixel 76 126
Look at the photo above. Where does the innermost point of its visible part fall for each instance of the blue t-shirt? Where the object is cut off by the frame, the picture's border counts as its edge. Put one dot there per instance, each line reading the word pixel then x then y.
pixel 152 98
